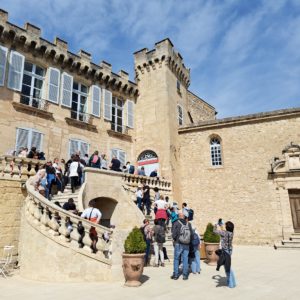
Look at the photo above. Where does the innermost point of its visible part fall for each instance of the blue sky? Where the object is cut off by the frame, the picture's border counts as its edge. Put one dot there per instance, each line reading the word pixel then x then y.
pixel 243 54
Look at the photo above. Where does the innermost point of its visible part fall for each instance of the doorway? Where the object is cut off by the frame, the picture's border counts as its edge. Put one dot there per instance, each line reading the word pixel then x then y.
pixel 107 207
pixel 294 196
pixel 149 160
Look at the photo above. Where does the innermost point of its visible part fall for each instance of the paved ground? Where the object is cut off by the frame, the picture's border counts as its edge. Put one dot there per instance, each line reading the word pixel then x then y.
pixel 261 273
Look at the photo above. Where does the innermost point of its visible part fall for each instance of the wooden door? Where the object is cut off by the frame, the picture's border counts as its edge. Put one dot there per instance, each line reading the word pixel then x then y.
pixel 295 208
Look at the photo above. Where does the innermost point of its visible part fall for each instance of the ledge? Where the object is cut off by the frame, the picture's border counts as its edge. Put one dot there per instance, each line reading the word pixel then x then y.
pixel 32 110
pixel 80 124
pixel 122 136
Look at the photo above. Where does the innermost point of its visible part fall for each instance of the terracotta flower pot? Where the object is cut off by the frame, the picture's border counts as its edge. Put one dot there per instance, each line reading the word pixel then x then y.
pixel 211 256
pixel 133 266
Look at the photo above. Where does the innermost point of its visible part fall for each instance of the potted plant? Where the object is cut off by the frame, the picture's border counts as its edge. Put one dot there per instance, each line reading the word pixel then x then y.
pixel 133 257
pixel 211 242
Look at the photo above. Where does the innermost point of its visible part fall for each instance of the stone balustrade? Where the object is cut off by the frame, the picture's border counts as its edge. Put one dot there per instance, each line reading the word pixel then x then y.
pixel 18 167
pixel 65 227
pixel 152 182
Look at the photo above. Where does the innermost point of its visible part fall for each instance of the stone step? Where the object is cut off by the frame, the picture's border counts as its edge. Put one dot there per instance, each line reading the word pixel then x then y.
pixel 287 247
pixel 290 242
pixel 295 236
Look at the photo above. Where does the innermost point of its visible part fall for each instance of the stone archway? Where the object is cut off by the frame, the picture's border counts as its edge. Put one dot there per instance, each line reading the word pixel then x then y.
pixel 107 207
pixel 149 160
pixel 285 173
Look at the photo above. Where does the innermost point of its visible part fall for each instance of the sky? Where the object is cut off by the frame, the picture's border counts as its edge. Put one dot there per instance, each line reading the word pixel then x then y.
pixel 243 54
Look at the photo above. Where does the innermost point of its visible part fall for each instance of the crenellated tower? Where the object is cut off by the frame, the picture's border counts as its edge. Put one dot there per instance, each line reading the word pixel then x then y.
pixel 163 81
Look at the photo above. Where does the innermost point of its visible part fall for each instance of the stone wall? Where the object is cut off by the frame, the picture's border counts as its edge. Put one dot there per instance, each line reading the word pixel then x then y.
pixel 199 109
pixel 11 200
pixel 239 190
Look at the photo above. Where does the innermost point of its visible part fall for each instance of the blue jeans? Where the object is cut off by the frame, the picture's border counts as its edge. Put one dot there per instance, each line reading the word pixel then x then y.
pixel 139 202
pixel 195 265
pixel 230 275
pixel 148 243
pixel 183 251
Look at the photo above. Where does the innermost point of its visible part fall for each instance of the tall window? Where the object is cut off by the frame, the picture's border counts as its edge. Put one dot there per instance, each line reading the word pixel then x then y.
pixel 78 146
pixel 27 137
pixel 120 155
pixel 117 115
pixel 180 114
pixel 79 102
pixel 32 85
pixel 215 152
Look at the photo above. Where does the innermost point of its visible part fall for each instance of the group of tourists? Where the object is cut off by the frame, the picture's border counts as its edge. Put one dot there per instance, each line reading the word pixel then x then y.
pixel 186 241
pixel 33 153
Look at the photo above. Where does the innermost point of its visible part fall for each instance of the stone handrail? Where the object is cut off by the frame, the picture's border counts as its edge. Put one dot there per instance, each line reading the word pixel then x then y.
pixel 17 167
pixel 54 222
pixel 136 180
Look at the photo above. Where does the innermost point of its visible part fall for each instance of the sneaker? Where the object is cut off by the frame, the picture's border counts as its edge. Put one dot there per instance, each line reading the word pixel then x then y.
pixel 185 278
pixel 58 193
pixel 174 277
pixel 155 265
pixel 162 264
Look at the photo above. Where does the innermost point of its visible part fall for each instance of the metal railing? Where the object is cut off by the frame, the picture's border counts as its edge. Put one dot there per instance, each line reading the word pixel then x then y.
pixel 80 116
pixel 34 102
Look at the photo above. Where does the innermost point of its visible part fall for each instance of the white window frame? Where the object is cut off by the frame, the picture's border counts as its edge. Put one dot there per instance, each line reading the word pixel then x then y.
pixel 118 155
pixel 50 69
pixel 33 77
pixel 114 125
pixel 180 114
pixel 130 102
pixel 30 131
pixel 79 141
pixel 80 94
pixel 216 158
pixel 2 83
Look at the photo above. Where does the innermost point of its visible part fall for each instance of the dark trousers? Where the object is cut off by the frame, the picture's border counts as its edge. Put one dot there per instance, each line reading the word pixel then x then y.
pixel 148 243
pixel 74 183
pixel 147 204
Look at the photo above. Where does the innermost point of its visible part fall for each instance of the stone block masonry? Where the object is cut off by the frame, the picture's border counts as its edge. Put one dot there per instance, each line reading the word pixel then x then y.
pixel 12 197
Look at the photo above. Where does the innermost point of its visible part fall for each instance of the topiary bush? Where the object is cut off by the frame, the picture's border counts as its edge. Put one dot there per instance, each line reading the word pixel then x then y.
pixel 210 236
pixel 135 242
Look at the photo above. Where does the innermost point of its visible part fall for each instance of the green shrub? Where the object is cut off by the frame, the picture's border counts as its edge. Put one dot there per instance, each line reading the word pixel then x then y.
pixel 210 236
pixel 135 242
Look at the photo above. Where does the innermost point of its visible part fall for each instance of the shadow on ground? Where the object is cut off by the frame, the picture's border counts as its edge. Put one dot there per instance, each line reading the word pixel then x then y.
pixel 144 278
pixel 220 281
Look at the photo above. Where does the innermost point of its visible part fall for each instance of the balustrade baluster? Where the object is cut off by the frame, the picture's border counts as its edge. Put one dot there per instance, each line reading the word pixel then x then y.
pixel 45 219
pixel 53 223
pixel 24 169
pixel 16 167
pixel 75 236
pixel 87 242
pixel 8 166
pixel 64 229
pixel 37 213
pixel 32 169
pixel 2 167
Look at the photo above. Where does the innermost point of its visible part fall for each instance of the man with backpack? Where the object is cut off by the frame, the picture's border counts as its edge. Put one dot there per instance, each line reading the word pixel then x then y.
pixel 182 235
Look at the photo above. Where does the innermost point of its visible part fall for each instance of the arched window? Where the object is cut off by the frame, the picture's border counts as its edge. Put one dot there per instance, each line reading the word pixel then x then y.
pixel 215 152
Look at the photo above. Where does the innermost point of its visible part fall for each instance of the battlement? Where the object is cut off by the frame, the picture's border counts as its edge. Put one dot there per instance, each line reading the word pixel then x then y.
pixel 164 52
pixel 28 39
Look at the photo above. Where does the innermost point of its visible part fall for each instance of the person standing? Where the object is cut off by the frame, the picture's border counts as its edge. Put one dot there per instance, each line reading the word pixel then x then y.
pixel 195 244
pixel 139 197
pixel 226 245
pixel 161 212
pixel 95 161
pixel 59 176
pixel 51 176
pixel 103 162
pixel 74 172
pixel 159 240
pixel 94 215
pixel 147 233
pixel 181 234
pixel 115 164
pixel 146 198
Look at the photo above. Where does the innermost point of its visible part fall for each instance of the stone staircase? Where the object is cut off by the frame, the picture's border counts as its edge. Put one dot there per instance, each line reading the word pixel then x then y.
pixel 63 197
pixel 292 243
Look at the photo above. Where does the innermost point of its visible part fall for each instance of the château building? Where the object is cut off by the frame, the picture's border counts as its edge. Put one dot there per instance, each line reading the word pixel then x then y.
pixel 245 168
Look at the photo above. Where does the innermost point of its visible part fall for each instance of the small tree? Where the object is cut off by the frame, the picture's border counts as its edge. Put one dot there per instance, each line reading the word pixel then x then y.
pixel 135 242
pixel 210 236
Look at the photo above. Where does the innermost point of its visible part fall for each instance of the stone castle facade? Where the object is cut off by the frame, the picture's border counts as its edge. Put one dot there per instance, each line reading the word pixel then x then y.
pixel 62 102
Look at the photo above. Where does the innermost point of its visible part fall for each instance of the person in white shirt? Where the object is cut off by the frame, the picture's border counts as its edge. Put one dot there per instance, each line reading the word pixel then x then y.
pixel 139 197
pixel 161 213
pixel 58 174
pixel 94 215
pixel 75 167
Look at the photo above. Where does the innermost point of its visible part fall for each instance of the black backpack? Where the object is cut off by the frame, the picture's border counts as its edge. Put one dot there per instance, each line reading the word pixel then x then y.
pixel 143 232
pixel 191 215
pixel 160 235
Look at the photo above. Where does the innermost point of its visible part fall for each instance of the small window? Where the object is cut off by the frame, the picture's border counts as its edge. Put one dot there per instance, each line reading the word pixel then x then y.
pixel 117 115
pixel 180 115
pixel 178 85
pixel 32 85
pixel 120 155
pixel 215 152
pixel 28 138
pixel 78 146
